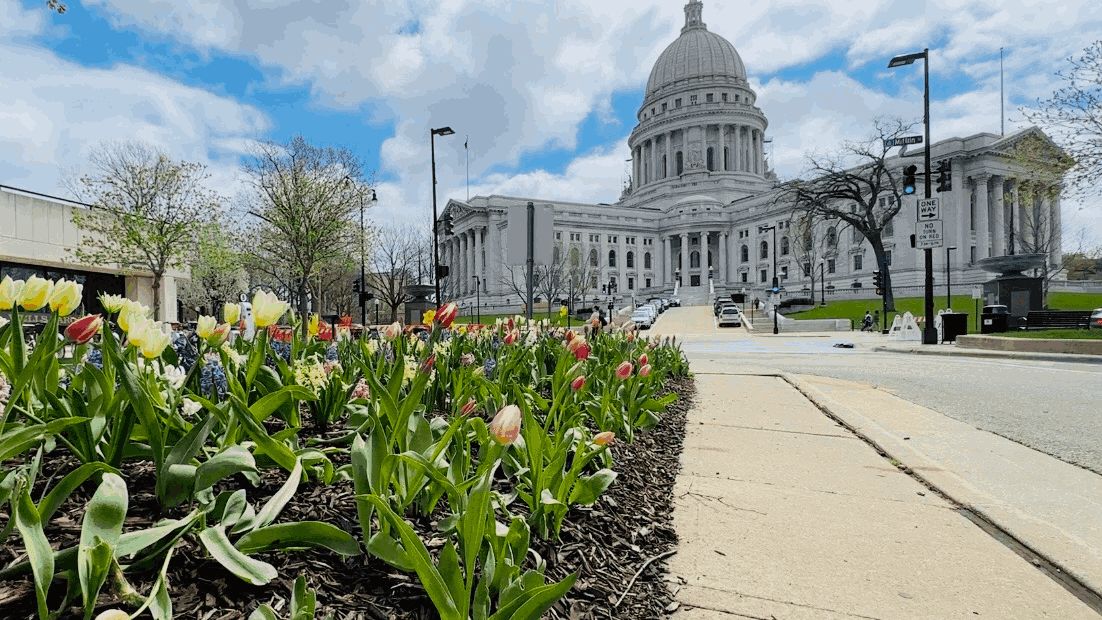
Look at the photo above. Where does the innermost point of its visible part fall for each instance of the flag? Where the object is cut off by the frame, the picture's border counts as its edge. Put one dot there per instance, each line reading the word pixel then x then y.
pixel 465 141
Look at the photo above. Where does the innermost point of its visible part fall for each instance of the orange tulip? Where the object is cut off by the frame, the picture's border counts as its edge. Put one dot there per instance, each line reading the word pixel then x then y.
pixel 604 439
pixel 84 329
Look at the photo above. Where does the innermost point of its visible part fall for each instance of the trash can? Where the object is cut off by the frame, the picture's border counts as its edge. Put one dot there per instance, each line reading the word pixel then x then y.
pixel 993 323
pixel 953 324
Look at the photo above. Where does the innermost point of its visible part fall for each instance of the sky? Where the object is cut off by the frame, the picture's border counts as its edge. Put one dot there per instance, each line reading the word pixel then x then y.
pixel 544 92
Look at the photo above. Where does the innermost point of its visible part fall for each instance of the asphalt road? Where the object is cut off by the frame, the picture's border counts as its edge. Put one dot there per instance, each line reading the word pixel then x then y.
pixel 1053 407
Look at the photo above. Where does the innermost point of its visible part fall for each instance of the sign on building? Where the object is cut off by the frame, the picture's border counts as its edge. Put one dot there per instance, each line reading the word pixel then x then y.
pixel 929 235
pixel 517 235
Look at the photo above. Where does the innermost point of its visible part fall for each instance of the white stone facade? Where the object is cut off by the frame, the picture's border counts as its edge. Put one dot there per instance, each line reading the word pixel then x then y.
pixel 701 190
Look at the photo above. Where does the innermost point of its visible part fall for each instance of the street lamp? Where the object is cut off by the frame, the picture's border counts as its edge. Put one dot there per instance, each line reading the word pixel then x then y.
pixel 929 331
pixel 442 131
pixel 822 285
pixel 478 297
pixel 948 277
pixel 776 282
pixel 363 253
pixel 376 311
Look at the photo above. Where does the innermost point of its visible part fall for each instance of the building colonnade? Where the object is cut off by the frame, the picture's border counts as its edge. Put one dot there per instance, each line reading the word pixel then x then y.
pixel 723 148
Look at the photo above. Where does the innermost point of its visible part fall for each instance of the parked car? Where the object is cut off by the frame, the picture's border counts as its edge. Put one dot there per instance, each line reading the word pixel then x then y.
pixel 642 320
pixel 675 302
pixel 1096 319
pixel 730 315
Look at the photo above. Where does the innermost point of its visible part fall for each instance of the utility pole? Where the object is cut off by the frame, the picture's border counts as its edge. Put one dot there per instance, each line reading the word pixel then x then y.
pixel 531 262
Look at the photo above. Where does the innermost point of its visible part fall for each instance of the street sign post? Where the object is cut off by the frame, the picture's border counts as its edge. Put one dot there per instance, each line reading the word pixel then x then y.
pixel 929 209
pixel 929 235
pixel 902 141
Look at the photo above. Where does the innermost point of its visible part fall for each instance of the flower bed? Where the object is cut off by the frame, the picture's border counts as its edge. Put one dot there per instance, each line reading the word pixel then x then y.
pixel 497 473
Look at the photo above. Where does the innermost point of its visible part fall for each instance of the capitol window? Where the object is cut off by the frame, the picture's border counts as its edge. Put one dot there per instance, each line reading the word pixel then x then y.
pixel 694 260
pixel 665 106
pixel 857 262
pixel 693 99
pixel 724 96
pixel 594 260
pixel 784 246
pixel 680 163
pixel 764 253
pixel 677 102
pixel 744 254
pixel 831 267
pixel 646 262
pixel 710 98
pixel 612 258
pixel 762 275
pixel 832 238
pixel 630 258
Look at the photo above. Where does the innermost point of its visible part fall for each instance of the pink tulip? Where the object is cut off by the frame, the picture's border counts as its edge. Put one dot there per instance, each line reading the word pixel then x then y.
pixel 446 314
pixel 578 383
pixel 623 371
pixel 569 335
pixel 644 360
pixel 392 331
pixel 84 329
pixel 468 408
pixel 505 427
pixel 645 370
pixel 604 439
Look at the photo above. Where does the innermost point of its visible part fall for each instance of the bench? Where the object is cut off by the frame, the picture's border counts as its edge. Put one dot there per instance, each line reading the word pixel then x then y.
pixel 1054 319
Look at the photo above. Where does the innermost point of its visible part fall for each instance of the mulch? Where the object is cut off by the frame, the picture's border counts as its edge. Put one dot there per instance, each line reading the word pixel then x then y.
pixel 607 544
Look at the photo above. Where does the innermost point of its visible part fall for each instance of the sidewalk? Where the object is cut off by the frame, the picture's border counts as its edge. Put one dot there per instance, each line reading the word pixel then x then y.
pixel 783 513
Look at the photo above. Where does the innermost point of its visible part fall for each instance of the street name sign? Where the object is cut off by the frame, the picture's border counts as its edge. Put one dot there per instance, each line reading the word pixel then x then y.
pixel 902 141
pixel 977 291
pixel 929 235
pixel 929 209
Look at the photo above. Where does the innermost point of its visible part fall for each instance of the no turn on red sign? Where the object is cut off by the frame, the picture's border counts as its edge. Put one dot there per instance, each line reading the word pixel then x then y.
pixel 929 235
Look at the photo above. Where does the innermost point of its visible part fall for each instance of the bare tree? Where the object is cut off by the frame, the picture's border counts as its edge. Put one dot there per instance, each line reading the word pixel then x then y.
pixel 1073 116
pixel 849 186
pixel 807 245
pixel 515 278
pixel 146 211
pixel 552 279
pixel 303 211
pixel 217 271
pixel 393 266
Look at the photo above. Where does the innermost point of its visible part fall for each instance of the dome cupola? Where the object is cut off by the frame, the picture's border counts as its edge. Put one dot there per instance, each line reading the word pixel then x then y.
pixel 697 55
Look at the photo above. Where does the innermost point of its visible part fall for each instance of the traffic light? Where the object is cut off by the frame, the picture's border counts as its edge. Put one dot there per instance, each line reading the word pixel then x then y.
pixel 446 225
pixel 944 176
pixel 909 184
pixel 442 271
pixel 356 286
pixel 878 282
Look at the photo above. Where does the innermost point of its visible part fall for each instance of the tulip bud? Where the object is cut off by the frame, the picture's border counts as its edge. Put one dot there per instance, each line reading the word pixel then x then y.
pixel 9 292
pixel 578 383
pixel 505 427
pixel 231 313
pixel 66 297
pixel 392 331
pixel 205 327
pixel 220 335
pixel 623 371
pixel 113 614
pixel 468 408
pixel 604 439
pixel 426 366
pixel 35 293
pixel 512 336
pixel 569 336
pixel 112 303
pixel 645 371
pixel 84 329
pixel 644 360
pixel 445 316
pixel 582 351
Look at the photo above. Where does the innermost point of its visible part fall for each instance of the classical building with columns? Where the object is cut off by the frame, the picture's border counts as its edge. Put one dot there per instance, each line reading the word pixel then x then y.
pixel 690 222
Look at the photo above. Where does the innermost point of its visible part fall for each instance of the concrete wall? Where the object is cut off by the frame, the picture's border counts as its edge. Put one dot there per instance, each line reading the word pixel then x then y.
pixel 1031 345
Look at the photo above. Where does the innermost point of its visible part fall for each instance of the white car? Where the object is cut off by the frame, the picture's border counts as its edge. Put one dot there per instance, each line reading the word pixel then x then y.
pixel 642 320
pixel 730 315
pixel 1096 319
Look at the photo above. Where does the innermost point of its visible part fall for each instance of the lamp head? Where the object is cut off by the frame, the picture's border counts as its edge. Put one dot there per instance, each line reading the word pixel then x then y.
pixel 443 131
pixel 906 59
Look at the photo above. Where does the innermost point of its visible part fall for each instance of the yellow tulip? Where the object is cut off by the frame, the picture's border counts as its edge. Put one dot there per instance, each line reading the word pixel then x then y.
pixel 113 614
pixel 314 325
pixel 66 296
pixel 267 308
pixel 155 341
pixel 9 292
pixel 131 310
pixel 231 313
pixel 35 293
pixel 137 329
pixel 205 327
pixel 113 303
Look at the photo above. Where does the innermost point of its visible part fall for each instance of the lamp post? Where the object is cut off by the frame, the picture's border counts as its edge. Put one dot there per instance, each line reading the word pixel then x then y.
pixel 776 282
pixel 478 298
pixel 442 131
pixel 929 331
pixel 948 278
pixel 376 311
pixel 363 252
pixel 822 285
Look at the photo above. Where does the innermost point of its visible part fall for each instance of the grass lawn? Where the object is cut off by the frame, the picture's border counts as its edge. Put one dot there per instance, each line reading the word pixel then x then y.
pixel 854 309
pixel 488 319
pixel 1057 334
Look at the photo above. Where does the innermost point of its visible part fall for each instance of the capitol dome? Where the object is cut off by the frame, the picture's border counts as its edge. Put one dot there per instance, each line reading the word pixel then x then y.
pixel 697 53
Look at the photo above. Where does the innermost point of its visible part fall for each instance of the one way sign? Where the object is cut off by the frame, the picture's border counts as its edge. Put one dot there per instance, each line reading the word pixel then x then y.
pixel 929 209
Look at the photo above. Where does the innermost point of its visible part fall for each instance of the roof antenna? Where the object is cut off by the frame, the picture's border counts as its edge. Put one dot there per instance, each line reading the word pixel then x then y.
pixel 1002 96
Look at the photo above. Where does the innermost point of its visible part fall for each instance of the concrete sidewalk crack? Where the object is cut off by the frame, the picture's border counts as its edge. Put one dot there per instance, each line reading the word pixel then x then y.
pixel 782 602
pixel 720 500
pixel 780 430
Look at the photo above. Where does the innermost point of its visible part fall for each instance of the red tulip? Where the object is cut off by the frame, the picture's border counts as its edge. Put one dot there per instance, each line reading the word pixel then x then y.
pixel 569 335
pixel 505 427
pixel 623 371
pixel 645 370
pixel 578 383
pixel 512 336
pixel 427 365
pixel 605 438
pixel 644 360
pixel 446 314
pixel 84 329
pixel 468 408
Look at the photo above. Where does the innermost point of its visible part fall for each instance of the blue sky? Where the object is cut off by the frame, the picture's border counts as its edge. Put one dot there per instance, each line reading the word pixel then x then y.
pixel 546 91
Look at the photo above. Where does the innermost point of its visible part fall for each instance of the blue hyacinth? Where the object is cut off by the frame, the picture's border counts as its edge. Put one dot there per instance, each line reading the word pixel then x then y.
pixel 95 358
pixel 489 366
pixel 331 353
pixel 212 380
pixel 186 347
pixel 282 349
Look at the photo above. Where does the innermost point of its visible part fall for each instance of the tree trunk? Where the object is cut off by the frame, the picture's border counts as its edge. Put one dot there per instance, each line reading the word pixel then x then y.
pixel 302 310
pixel 157 297
pixel 885 273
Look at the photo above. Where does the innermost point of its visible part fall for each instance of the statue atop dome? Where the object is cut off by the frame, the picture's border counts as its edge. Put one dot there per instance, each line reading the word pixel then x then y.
pixel 694 15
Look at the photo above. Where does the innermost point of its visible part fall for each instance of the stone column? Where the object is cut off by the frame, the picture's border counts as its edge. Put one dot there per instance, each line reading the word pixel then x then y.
pixel 602 261
pixel 493 255
pixel 1016 215
pixel 479 261
pixel 722 243
pixel 1056 253
pixel 736 152
pixel 979 186
pixel 667 272
pixel 669 159
pixel 758 150
pixel 959 199
pixel 621 264
pixel 998 241
pixel 684 258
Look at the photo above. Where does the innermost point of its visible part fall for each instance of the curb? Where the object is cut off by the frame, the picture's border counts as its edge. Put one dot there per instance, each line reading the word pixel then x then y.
pixel 1005 355
pixel 955 490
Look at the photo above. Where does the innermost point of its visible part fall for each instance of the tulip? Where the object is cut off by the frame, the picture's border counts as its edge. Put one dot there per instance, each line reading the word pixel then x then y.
pixel 9 292
pixel 314 326
pixel 569 337
pixel 429 362
pixel 604 439
pixel 582 351
pixel 578 383
pixel 65 297
pixel 428 317
pixel 623 371
pixel 644 360
pixel 268 309
pixel 36 293
pixel 84 329
pixel 206 326
pixel 468 408
pixel 113 614
pixel 467 359
pixel 112 303
pixel 231 313
pixel 645 371
pixel 512 336
pixel 220 335
pixel 392 331
pixel 155 341
pixel 505 427
pixel 445 316
pixel 136 330
pixel 131 312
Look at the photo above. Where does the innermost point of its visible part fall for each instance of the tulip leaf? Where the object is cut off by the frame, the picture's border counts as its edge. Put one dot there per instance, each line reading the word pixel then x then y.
pixel 589 488
pixel 388 550
pixel 233 460
pixel 99 533
pixel 16 440
pixel 277 502
pixel 65 487
pixel 271 403
pixel 248 569
pixel 533 602
pixel 40 555
pixel 264 612
pixel 299 535
pixel 304 601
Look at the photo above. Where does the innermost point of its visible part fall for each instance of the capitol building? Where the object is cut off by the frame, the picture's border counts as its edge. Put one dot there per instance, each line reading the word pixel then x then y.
pixel 690 221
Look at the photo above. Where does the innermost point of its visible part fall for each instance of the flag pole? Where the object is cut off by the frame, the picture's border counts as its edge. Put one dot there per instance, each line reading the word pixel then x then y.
pixel 1002 96
pixel 467 154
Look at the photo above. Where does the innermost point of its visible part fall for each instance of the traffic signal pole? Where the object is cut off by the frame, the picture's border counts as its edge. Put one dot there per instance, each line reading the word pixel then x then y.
pixel 929 331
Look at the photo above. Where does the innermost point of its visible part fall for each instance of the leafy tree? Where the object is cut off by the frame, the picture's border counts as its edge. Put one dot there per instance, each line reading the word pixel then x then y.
pixel 848 186
pixel 217 271
pixel 147 210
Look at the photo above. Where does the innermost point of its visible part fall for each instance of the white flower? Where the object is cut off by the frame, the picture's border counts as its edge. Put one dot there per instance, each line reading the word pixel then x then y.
pixel 234 357
pixel 3 321
pixel 190 407
pixel 174 376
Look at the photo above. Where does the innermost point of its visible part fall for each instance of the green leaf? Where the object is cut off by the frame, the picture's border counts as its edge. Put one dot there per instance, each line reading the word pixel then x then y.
pixel 276 503
pixel 99 533
pixel 388 550
pixel 177 483
pixel 131 543
pixel 15 441
pixel 233 460
pixel 588 489
pixel 277 451
pixel 532 604
pixel 271 403
pixel 299 535
pixel 304 601
pixel 65 487
pixel 39 553
pixel 185 450
pixel 448 565
pixel 264 612
pixel 248 569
